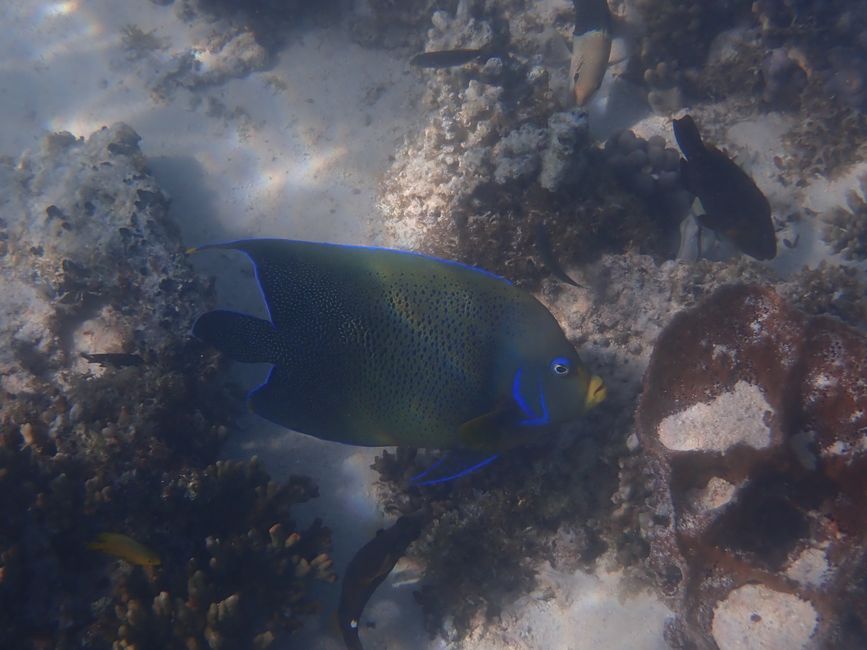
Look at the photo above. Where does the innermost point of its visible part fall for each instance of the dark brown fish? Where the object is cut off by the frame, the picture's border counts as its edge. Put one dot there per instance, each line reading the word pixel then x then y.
pixel 734 206
pixel 366 571
pixel 449 58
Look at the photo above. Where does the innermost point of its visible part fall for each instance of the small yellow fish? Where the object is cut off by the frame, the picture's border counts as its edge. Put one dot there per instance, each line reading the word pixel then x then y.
pixel 126 548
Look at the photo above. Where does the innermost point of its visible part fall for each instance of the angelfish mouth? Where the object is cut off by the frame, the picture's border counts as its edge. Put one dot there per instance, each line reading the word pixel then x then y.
pixel 596 392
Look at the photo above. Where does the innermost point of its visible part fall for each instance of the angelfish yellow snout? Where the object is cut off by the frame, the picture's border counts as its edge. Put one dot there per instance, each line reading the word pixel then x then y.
pixel 596 392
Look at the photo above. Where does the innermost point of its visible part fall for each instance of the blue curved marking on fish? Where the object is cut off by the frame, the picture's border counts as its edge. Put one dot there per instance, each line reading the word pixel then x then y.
pixel 451 466
pixel 532 418
pixel 373 346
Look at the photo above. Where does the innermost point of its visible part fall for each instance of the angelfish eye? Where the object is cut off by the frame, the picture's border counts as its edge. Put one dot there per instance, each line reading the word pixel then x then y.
pixel 560 366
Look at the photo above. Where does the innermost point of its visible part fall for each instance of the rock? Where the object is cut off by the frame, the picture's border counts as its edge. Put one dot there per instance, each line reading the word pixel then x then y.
pixel 754 421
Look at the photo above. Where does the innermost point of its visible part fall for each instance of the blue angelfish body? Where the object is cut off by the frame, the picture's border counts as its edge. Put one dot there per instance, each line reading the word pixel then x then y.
pixel 383 347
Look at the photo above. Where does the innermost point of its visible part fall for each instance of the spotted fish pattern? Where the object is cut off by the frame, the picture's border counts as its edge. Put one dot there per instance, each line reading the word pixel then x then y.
pixel 375 347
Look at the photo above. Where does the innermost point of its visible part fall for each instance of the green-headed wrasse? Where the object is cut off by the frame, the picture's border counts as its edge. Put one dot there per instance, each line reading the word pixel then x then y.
pixel 366 571
pixel 591 48
pixel 734 206
pixel 126 548
pixel 375 347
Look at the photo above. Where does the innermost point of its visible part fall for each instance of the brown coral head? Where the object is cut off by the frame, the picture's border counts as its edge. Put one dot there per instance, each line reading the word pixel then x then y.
pixel 754 417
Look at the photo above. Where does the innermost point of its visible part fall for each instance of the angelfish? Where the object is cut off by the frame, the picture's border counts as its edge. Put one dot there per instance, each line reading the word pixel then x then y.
pixel 591 48
pixel 366 571
pixel 734 206
pixel 375 346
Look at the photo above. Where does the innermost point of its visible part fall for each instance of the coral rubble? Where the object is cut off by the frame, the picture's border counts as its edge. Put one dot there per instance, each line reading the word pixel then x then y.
pixel 92 265
pixel 753 420
pixel 846 229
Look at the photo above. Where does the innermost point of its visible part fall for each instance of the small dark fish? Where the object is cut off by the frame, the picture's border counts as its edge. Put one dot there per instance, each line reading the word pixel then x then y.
pixel 113 359
pixel 546 253
pixel 734 206
pixel 449 58
pixel 591 48
pixel 366 571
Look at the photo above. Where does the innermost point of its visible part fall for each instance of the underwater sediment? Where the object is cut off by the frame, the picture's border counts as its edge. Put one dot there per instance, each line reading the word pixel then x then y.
pixel 111 420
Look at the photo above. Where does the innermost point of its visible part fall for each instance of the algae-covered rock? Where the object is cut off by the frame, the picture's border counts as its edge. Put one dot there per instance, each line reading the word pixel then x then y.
pixel 124 440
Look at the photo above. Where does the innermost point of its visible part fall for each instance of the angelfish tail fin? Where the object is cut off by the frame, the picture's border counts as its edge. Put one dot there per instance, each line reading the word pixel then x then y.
pixel 241 337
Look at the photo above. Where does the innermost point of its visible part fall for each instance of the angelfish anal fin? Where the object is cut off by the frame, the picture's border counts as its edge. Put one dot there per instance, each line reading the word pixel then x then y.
pixel 455 464
pixel 483 432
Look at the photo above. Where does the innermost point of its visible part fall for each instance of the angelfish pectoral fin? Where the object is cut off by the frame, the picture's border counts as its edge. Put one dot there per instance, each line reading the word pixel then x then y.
pixel 455 464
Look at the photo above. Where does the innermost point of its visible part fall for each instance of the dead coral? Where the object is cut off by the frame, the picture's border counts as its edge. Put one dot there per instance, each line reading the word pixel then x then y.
pixel 396 23
pixel 139 43
pixel 490 531
pixel 674 41
pixel 753 419
pixel 846 229
pixel 93 264
pixel 498 159
pixel 825 40
pixel 829 137
pixel 830 289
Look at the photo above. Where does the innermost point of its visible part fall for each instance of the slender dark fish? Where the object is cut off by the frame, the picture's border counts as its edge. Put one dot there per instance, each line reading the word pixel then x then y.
pixel 448 58
pixel 591 47
pixel 114 359
pixel 546 253
pixel 366 571
pixel 734 206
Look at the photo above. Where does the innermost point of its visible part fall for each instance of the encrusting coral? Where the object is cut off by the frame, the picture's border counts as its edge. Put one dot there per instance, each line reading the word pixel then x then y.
pixel 753 422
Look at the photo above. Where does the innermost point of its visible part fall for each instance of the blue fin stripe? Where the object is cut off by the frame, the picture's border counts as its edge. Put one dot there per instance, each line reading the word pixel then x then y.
pixel 464 472
pixel 531 419
pixel 539 420
pixel 516 394
pixel 428 470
